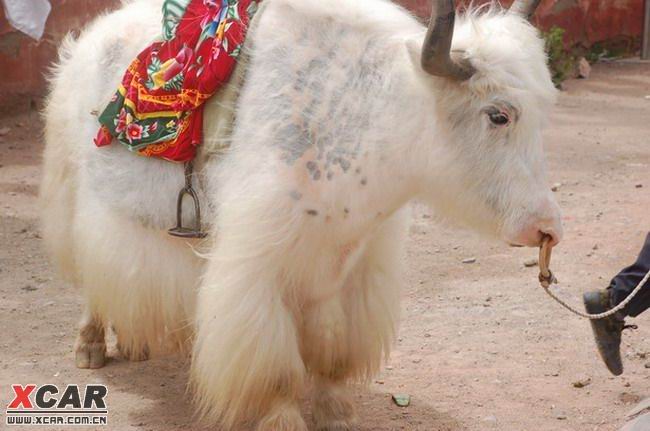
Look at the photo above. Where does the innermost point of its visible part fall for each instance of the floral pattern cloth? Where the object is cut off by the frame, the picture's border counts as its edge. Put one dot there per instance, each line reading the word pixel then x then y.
pixel 157 110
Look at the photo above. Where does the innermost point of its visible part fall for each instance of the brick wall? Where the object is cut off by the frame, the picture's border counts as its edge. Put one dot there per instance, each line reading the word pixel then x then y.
pixel 23 61
pixel 585 21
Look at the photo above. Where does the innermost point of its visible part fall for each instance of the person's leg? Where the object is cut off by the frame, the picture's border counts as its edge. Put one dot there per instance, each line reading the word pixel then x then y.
pixel 625 281
pixel 607 331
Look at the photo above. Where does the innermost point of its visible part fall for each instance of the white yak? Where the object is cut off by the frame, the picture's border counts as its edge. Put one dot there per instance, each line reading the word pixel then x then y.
pixel 344 111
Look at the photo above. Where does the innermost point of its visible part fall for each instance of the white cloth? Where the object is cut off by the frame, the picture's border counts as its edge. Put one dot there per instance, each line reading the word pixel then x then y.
pixel 28 16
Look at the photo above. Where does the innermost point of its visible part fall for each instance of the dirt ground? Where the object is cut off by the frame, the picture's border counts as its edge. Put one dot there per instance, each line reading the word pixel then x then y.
pixel 480 348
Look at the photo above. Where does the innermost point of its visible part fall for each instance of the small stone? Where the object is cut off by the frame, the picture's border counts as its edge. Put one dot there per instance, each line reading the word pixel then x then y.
pixel 561 417
pixel 28 288
pixel 418 229
pixel 556 187
pixel 529 263
pixel 402 400
pixel 629 398
pixel 469 260
pixel 4 131
pixel 584 68
pixel 582 382
pixel 638 186
pixel 647 365
pixel 491 419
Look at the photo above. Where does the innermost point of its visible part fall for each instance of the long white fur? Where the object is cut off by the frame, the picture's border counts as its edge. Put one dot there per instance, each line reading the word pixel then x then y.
pixel 301 275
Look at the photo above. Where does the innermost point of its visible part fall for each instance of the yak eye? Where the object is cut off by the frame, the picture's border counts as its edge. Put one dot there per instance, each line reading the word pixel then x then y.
pixel 499 118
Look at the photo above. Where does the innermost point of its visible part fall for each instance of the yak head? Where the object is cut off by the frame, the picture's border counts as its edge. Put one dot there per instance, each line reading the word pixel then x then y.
pixel 488 72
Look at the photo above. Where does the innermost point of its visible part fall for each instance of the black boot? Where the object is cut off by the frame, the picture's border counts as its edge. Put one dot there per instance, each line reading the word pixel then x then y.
pixel 607 331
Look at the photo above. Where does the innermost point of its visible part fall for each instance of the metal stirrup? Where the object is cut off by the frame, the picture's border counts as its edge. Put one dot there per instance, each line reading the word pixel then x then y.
pixel 179 230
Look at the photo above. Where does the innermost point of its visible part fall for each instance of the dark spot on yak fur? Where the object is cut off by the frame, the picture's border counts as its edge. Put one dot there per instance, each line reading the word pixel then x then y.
pixel 309 115
pixel 344 163
pixel 314 171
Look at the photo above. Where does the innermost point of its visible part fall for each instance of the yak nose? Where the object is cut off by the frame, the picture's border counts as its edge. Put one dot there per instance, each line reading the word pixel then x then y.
pixel 546 220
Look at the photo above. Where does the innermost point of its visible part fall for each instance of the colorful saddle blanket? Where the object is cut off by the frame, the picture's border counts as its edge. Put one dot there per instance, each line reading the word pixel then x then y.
pixel 158 109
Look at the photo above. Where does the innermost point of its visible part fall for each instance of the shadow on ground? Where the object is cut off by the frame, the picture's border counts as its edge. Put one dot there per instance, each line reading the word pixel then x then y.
pixel 160 386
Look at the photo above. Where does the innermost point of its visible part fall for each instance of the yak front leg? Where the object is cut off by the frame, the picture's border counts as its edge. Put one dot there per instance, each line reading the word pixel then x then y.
pixel 326 351
pixel 332 405
pixel 90 348
pixel 246 365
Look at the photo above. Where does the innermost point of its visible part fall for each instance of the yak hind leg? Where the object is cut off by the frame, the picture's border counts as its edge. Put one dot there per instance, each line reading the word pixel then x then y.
pixel 90 348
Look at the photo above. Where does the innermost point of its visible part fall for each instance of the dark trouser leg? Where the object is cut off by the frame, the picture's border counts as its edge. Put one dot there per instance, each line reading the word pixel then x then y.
pixel 626 280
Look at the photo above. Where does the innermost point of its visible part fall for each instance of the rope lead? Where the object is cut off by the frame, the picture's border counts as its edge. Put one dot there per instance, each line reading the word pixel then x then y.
pixel 546 279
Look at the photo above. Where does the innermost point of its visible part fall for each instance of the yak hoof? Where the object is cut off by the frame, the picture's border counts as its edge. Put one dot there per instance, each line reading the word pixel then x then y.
pixel 285 417
pixel 333 408
pixel 336 425
pixel 90 355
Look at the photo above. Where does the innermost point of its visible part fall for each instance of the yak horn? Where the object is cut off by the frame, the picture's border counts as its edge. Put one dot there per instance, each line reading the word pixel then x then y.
pixel 436 55
pixel 525 8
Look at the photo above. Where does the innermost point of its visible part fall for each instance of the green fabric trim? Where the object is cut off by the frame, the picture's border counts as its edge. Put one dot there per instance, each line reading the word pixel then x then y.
pixel 173 11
